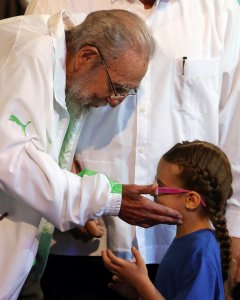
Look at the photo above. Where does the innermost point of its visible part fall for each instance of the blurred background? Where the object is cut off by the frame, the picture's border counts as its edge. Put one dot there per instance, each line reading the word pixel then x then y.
pixel 11 8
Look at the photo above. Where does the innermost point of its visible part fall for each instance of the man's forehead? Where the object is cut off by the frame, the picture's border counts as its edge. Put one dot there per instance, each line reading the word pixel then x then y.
pixel 130 66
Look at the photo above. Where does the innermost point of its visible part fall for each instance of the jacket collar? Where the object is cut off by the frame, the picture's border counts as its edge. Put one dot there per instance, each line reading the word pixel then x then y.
pixel 57 24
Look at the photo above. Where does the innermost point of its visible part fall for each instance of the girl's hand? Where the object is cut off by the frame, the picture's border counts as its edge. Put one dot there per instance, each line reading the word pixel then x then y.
pixel 123 288
pixel 135 273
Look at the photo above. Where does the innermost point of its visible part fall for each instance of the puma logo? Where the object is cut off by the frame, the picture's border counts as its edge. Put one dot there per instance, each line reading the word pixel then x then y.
pixel 18 122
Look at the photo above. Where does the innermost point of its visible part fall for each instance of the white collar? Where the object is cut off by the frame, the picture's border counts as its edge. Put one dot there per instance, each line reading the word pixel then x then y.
pixel 131 1
pixel 57 24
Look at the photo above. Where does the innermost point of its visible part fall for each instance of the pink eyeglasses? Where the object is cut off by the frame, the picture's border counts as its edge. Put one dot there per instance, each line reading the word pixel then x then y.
pixel 162 190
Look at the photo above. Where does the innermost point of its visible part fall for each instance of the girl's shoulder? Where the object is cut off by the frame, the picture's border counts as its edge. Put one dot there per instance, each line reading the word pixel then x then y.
pixel 201 242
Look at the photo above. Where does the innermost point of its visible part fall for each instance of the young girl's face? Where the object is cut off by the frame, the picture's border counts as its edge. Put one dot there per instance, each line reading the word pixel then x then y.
pixel 167 177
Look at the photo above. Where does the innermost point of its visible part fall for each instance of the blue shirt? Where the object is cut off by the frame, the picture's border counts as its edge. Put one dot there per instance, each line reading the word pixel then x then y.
pixel 191 268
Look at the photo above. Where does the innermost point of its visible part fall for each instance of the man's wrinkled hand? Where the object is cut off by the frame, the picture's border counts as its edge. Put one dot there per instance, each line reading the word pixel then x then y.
pixel 138 210
pixel 92 229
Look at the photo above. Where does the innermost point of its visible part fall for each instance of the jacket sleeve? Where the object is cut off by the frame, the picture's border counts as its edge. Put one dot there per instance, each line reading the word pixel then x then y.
pixel 28 118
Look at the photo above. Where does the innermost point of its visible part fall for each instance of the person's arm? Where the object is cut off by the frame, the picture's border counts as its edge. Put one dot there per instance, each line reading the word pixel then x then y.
pixel 133 273
pixel 93 228
pixel 32 126
pixel 131 212
pixel 136 209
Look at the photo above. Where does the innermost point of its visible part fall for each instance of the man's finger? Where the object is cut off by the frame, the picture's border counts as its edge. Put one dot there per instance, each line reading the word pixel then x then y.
pixel 146 208
pixel 158 210
pixel 146 223
pixel 150 189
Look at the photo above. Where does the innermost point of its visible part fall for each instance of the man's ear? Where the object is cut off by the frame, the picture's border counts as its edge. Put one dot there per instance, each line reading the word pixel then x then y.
pixel 193 200
pixel 85 55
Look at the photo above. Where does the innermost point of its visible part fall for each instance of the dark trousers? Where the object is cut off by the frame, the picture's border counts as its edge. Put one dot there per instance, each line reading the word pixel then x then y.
pixel 79 278
pixel 61 280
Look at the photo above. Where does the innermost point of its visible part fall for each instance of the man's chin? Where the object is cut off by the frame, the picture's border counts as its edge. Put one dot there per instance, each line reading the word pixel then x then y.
pixel 100 104
pixel 96 103
pixel 83 104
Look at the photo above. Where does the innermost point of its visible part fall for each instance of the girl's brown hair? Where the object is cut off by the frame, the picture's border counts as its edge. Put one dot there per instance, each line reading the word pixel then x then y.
pixel 205 169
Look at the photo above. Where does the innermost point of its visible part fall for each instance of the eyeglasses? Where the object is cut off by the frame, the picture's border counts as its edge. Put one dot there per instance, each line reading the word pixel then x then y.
pixel 167 191
pixel 120 92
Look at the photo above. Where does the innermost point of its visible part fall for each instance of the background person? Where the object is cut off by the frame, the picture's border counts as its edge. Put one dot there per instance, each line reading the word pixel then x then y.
pixel 12 8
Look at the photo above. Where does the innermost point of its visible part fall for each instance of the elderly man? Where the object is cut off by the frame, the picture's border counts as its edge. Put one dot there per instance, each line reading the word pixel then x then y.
pixel 37 54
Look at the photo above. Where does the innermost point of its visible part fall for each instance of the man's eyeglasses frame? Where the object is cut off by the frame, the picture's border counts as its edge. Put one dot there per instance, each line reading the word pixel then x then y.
pixel 116 95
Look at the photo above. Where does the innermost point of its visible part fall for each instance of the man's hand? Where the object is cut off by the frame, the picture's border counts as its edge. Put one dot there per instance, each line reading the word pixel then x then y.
pixel 92 229
pixel 138 210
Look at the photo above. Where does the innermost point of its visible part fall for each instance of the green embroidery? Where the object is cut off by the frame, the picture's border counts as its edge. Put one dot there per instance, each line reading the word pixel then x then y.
pixel 18 122
pixel 87 172
pixel 115 186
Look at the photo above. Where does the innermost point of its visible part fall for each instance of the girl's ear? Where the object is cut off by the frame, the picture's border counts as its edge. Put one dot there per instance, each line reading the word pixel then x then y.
pixel 193 200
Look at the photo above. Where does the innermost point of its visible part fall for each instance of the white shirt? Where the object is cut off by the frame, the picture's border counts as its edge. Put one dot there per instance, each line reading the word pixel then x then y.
pixel 32 127
pixel 127 142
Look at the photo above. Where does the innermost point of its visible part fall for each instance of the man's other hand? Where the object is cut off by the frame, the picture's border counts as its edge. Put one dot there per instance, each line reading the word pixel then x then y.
pixel 92 229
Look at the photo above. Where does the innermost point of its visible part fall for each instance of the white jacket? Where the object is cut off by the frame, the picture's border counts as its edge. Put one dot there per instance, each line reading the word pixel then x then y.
pixel 204 103
pixel 33 122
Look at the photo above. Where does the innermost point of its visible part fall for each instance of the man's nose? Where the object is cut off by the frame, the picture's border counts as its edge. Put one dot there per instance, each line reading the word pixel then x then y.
pixel 115 101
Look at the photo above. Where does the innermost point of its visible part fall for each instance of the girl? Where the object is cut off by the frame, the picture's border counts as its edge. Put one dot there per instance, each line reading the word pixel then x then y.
pixel 195 179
